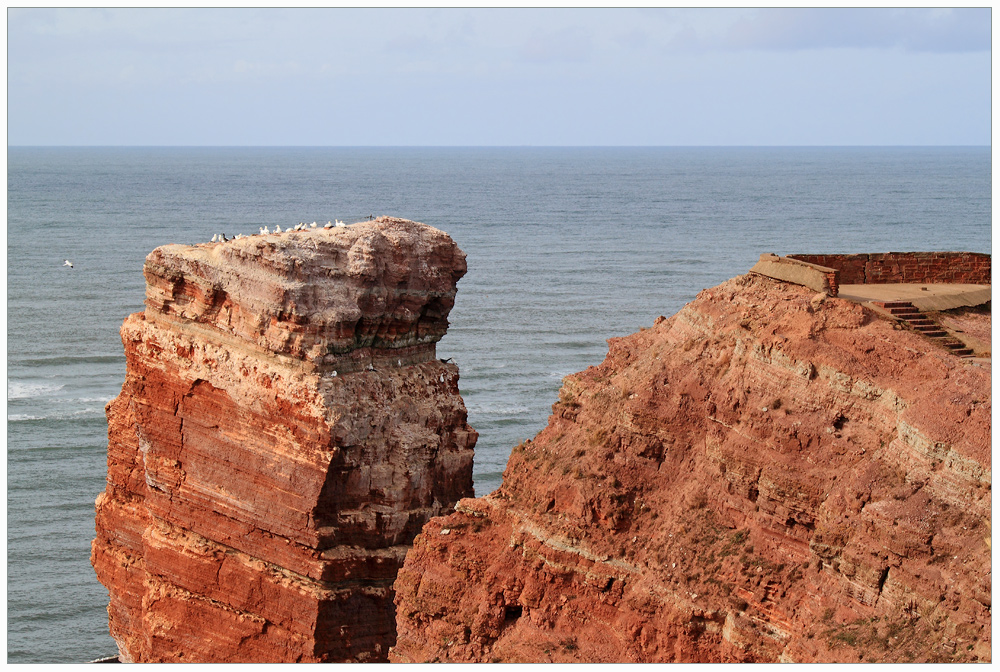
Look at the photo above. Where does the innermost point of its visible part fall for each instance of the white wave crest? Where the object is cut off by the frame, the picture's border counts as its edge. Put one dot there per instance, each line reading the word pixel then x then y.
pixel 23 390
pixel 82 400
pixel 75 415
pixel 497 410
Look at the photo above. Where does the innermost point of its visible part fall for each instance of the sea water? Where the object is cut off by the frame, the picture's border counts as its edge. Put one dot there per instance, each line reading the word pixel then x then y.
pixel 566 248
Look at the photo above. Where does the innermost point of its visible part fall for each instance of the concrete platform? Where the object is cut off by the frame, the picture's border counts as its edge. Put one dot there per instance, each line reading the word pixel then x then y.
pixel 925 297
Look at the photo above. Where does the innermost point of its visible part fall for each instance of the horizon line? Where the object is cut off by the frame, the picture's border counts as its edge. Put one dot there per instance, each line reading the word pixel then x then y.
pixel 288 146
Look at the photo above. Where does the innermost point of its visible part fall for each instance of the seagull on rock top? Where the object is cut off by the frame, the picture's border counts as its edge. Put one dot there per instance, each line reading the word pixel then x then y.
pixel 340 223
pixel 277 228
pixel 67 262
pixel 328 225
pixel 215 238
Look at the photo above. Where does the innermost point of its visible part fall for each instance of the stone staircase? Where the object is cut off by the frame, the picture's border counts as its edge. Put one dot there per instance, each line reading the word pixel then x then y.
pixel 907 313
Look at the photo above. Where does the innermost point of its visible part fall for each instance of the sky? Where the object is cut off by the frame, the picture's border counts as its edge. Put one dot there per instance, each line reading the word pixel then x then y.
pixel 481 77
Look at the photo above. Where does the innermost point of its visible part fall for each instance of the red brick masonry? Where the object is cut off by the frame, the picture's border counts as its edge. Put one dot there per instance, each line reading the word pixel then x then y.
pixel 910 267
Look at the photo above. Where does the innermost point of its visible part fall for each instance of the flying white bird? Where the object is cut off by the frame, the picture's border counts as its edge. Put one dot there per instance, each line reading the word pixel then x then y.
pixel 67 262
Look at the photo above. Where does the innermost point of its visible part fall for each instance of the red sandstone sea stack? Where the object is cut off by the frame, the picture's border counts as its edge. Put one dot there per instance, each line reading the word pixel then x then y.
pixel 283 432
pixel 771 474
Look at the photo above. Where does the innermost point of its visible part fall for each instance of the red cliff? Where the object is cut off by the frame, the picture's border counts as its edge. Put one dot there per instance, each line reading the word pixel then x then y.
pixel 769 475
pixel 283 432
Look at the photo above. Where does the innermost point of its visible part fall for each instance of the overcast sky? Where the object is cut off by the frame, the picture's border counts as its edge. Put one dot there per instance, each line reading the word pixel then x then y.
pixel 498 77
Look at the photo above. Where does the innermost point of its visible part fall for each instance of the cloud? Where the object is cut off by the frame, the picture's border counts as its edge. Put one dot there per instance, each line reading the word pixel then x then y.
pixel 915 30
pixel 565 45
pixel 443 64
pixel 267 69
pixel 632 38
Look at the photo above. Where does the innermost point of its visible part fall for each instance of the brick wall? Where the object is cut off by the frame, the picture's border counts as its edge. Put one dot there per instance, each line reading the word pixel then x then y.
pixel 913 267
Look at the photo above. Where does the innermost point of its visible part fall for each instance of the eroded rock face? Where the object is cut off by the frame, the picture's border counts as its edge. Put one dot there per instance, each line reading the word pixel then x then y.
pixel 283 432
pixel 768 475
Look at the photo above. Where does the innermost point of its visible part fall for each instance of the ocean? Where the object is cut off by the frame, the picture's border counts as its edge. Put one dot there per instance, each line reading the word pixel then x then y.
pixel 566 248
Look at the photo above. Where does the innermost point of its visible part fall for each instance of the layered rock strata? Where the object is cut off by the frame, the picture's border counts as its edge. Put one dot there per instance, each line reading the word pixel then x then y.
pixel 769 475
pixel 283 432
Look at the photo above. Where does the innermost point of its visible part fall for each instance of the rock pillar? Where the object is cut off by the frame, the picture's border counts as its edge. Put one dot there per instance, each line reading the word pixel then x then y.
pixel 284 431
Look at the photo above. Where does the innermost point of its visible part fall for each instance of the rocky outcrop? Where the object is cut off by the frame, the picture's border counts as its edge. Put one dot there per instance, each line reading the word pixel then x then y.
pixel 283 432
pixel 769 475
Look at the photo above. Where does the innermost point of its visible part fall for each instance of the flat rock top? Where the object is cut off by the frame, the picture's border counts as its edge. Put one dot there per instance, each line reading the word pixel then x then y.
pixel 384 283
pixel 365 249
